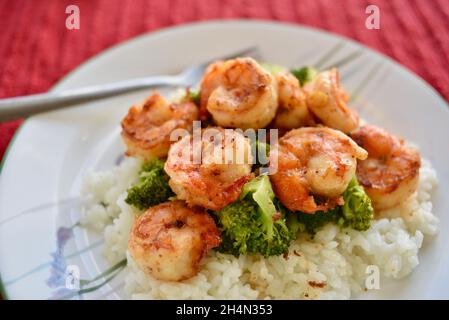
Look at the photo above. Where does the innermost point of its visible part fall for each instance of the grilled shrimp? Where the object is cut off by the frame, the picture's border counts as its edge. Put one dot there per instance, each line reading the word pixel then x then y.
pixel 292 111
pixel 147 127
pixel 313 163
pixel 391 172
pixel 327 100
pixel 169 240
pixel 215 177
pixel 239 93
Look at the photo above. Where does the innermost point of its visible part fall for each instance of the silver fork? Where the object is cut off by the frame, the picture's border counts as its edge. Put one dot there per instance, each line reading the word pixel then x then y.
pixel 11 108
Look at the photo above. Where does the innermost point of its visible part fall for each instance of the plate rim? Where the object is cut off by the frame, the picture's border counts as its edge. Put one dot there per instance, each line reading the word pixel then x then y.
pixel 201 24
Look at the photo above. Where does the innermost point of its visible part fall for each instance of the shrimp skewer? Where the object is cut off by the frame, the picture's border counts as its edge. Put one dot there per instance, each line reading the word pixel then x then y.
pixel 147 127
pixel 327 100
pixel 391 172
pixel 217 177
pixel 169 240
pixel 313 163
pixel 239 93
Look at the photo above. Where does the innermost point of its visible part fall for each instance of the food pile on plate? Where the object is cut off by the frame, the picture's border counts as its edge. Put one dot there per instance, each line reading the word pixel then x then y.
pixel 268 173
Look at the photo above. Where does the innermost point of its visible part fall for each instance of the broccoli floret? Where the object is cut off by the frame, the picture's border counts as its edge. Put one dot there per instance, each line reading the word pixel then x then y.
pixel 303 222
pixel 252 224
pixel 262 193
pixel 311 223
pixel 152 187
pixel 304 74
pixel 356 213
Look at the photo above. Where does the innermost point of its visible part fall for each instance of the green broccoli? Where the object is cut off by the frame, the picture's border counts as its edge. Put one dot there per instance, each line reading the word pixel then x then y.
pixel 311 223
pixel 152 187
pixel 252 224
pixel 304 74
pixel 356 213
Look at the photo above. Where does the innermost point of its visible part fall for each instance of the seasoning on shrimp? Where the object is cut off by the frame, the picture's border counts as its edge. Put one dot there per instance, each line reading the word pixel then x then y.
pixel 239 93
pixel 169 240
pixel 327 100
pixel 293 111
pixel 147 127
pixel 313 163
pixel 217 177
pixel 391 172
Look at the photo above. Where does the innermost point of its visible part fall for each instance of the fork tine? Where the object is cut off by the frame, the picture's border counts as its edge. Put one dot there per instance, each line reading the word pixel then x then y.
pixel 365 81
pixel 191 75
pixel 332 51
pixel 349 58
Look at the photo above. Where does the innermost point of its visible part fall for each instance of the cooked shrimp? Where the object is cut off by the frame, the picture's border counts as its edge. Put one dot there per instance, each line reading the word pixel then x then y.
pixel 147 127
pixel 239 94
pixel 328 101
pixel 391 172
pixel 169 240
pixel 292 111
pixel 313 163
pixel 214 177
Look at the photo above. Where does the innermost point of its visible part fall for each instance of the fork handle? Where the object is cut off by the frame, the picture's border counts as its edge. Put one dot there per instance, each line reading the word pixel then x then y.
pixel 12 108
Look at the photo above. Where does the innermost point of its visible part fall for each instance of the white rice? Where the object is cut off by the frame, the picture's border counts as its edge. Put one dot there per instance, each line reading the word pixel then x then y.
pixel 332 265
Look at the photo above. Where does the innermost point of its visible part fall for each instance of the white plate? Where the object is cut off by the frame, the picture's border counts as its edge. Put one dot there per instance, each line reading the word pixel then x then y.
pixel 40 180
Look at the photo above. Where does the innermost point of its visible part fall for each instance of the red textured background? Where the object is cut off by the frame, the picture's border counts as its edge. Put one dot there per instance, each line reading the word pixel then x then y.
pixel 36 49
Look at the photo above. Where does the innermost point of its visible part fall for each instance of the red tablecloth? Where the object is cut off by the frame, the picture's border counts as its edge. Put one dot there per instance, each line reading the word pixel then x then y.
pixel 36 49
